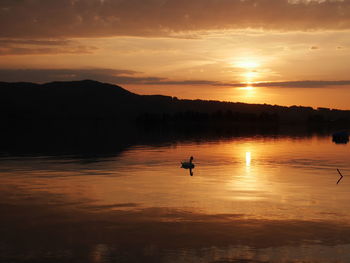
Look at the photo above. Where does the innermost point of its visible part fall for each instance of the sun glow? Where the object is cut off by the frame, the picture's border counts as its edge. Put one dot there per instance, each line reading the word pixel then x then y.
pixel 248 67
pixel 249 88
pixel 249 76
pixel 247 64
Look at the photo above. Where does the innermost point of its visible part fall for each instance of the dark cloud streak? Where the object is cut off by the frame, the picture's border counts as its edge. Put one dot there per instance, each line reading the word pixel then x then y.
pixel 121 76
pixel 304 84
pixel 277 84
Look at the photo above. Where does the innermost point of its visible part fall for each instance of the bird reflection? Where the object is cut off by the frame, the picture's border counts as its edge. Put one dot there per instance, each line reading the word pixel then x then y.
pixel 188 165
pixel 341 176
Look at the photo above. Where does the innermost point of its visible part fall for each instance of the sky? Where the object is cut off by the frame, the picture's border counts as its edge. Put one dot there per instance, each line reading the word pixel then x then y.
pixel 285 52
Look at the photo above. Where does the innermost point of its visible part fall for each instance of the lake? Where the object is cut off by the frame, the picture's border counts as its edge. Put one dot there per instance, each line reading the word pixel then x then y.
pixel 251 199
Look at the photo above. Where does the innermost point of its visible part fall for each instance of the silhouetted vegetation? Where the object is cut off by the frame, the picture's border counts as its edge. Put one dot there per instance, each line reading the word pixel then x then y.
pixel 217 118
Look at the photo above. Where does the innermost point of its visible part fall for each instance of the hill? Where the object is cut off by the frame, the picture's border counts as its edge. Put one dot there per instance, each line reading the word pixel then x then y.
pixel 91 100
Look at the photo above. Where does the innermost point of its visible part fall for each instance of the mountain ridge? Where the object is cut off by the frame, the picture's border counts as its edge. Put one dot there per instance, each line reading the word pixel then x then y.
pixel 90 99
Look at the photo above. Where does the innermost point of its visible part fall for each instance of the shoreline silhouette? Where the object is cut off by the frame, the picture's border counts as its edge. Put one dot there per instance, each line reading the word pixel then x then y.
pixel 97 102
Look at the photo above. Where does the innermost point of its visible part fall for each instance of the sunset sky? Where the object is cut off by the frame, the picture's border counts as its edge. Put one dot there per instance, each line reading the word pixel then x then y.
pixel 286 52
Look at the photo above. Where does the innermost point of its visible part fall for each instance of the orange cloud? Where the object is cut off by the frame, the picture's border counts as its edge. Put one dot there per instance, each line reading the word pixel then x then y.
pixel 43 47
pixel 91 18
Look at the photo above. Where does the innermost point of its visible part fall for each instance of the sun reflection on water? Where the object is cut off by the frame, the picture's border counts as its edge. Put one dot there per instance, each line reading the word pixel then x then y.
pixel 248 159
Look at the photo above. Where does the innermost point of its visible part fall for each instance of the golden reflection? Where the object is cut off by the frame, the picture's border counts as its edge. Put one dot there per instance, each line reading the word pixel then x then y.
pixel 248 159
pixel 249 183
pixel 250 169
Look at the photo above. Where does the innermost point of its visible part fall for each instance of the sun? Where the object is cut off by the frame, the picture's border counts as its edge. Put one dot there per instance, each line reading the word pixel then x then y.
pixel 249 88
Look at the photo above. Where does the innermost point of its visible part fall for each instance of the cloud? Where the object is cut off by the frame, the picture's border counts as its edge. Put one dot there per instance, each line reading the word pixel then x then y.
pixel 118 76
pixel 112 206
pixel 42 46
pixel 304 84
pixel 189 82
pixel 314 47
pixel 282 84
pixel 92 18
pixel 122 76
pixel 42 42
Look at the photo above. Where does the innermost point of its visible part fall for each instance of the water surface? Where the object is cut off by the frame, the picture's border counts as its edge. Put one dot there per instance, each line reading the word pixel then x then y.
pixel 250 199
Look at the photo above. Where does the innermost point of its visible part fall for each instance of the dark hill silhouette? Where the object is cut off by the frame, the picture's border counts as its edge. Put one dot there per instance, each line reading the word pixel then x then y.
pixel 91 118
pixel 60 100
pixel 91 100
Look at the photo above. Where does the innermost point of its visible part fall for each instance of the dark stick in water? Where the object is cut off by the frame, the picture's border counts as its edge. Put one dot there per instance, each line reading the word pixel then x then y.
pixel 341 176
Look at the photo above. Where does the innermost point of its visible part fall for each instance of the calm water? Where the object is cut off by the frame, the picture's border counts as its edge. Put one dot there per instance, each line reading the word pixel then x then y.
pixel 256 199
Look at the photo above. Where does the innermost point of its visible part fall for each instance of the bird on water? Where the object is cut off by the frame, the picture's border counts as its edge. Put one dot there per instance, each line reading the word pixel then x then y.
pixel 188 165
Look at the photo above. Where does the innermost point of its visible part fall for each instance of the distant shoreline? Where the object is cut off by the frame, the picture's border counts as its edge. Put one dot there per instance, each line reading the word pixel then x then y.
pixel 97 102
